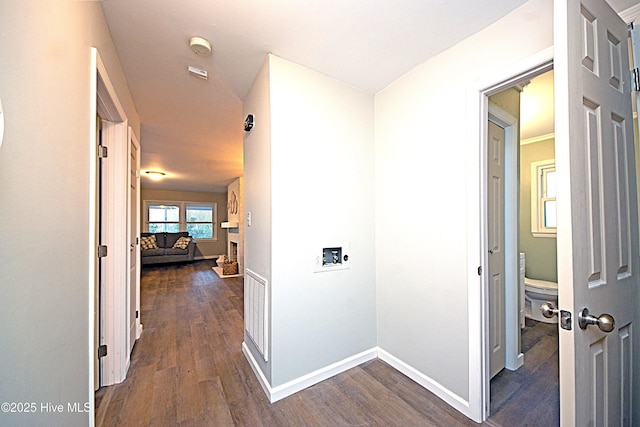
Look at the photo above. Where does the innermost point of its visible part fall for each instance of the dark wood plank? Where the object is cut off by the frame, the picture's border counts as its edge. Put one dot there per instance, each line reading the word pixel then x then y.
pixel 530 396
pixel 188 369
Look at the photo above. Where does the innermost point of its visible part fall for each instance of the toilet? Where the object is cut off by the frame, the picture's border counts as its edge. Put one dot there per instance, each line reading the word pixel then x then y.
pixel 536 293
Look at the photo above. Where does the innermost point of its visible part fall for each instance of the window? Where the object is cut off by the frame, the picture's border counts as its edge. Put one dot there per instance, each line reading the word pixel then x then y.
pixel 163 218
pixel 543 199
pixel 198 219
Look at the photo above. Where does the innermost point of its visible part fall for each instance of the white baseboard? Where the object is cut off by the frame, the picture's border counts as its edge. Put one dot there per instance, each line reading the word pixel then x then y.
pixel 280 392
pixel 433 386
pixel 518 363
pixel 139 331
pixel 200 258
pixel 264 383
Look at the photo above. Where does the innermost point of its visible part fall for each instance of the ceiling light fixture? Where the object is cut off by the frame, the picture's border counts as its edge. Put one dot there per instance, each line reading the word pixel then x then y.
pixel 200 46
pixel 155 175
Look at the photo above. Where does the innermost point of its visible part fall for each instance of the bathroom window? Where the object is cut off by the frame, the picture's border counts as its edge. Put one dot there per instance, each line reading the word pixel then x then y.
pixel 543 199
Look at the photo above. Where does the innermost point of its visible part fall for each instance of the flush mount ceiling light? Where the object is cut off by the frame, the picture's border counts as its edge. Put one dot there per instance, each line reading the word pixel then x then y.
pixel 200 46
pixel 155 175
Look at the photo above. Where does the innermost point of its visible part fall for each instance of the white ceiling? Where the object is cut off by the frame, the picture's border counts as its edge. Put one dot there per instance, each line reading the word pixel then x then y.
pixel 192 129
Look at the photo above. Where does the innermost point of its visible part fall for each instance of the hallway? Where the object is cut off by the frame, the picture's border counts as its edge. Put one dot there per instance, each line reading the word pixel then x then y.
pixel 188 369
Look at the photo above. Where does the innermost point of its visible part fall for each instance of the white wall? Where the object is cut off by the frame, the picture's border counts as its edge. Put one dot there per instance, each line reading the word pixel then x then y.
pixel 422 145
pixel 322 193
pixel 257 189
pixel 321 174
pixel 44 198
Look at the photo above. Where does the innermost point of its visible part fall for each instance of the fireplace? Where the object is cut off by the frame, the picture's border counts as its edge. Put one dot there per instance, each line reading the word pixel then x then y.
pixel 234 226
pixel 233 251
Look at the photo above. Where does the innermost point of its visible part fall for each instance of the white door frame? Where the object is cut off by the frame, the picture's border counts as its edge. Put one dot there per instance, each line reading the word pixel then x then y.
pixel 93 224
pixel 104 101
pixel 514 358
pixel 477 248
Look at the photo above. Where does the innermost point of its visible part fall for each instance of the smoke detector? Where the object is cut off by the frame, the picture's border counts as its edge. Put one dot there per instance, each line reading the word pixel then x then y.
pixel 200 46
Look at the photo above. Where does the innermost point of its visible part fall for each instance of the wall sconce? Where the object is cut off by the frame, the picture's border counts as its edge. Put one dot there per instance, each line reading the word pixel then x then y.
pixel 248 123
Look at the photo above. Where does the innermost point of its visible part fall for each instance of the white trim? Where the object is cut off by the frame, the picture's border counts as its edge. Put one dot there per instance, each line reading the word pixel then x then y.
pixel 200 258
pixel 630 14
pixel 287 389
pixel 538 230
pixel 280 392
pixel 433 386
pixel 539 138
pixel 114 366
pixel 91 251
pixel 107 97
pixel 114 284
pixel 477 107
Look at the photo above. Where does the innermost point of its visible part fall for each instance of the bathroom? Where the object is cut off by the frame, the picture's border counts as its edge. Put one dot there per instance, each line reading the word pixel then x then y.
pixel 515 393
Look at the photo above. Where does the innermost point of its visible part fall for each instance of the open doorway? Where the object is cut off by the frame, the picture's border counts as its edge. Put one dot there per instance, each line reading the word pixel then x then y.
pixel 523 344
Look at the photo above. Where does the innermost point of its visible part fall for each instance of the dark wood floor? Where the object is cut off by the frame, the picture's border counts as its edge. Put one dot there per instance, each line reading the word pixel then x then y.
pixel 187 369
pixel 530 396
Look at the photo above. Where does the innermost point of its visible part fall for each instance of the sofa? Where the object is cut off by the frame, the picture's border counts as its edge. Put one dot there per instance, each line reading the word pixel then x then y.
pixel 160 248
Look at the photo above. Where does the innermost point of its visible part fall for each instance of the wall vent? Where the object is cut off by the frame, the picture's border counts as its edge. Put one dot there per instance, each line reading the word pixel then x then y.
pixel 256 318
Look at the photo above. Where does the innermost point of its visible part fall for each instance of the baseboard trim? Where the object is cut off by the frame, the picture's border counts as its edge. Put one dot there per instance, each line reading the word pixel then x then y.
pixel 436 388
pixel 518 362
pixel 200 258
pixel 287 389
pixel 280 392
pixel 264 383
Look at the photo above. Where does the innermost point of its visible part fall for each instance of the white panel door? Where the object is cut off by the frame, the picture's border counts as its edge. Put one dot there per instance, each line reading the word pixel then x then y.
pixel 597 212
pixel 497 335
pixel 134 215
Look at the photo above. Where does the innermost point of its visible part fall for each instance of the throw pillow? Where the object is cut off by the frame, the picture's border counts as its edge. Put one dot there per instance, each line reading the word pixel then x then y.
pixel 182 242
pixel 148 242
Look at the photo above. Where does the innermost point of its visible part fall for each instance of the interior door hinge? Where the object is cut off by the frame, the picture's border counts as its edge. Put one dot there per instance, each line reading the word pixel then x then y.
pixel 137 314
pixel 635 80
pixel 102 151
pixel 102 251
pixel 480 271
pixel 102 350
